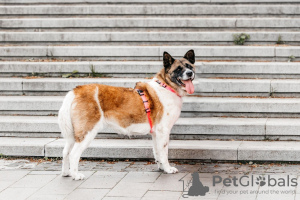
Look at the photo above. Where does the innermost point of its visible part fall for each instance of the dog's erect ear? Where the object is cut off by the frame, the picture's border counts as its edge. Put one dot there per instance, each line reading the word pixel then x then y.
pixel 190 56
pixel 168 61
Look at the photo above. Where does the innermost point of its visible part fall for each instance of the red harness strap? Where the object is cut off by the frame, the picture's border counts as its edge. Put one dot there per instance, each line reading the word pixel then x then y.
pixel 146 103
pixel 147 108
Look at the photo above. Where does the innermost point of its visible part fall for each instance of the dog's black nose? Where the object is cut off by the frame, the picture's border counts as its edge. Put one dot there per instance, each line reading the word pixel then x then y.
pixel 190 73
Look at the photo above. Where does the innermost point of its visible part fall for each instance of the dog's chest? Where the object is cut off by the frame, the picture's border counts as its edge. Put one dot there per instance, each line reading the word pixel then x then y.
pixel 172 104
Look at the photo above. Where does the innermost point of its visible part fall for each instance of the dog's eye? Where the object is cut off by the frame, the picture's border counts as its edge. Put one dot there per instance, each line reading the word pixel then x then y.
pixel 188 66
pixel 179 68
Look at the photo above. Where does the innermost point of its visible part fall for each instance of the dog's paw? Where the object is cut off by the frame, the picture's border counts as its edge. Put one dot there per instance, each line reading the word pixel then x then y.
pixel 78 177
pixel 171 170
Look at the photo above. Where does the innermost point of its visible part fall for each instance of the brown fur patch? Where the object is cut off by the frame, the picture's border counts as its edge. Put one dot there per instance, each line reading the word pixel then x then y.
pixel 124 105
pixel 85 111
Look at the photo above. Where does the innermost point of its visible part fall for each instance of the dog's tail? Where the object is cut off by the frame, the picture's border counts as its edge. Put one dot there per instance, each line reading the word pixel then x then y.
pixel 64 117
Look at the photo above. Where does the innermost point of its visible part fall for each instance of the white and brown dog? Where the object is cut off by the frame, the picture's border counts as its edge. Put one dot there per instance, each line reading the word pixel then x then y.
pixel 90 108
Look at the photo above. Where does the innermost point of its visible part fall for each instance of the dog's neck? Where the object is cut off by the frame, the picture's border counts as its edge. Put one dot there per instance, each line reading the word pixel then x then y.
pixel 161 76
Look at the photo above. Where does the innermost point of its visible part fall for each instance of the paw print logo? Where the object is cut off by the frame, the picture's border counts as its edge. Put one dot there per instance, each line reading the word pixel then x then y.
pixel 261 181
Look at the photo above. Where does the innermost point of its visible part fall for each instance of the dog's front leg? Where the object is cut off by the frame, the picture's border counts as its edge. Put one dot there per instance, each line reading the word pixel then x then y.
pixel 156 156
pixel 162 145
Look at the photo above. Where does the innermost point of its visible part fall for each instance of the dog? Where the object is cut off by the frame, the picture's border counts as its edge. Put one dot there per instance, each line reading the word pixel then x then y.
pixel 89 108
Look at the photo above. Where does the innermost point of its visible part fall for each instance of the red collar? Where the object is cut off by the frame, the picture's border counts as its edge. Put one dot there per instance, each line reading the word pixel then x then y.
pixel 166 86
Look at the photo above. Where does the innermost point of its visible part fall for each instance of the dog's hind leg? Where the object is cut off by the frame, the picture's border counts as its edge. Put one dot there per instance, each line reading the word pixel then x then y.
pixel 162 140
pixel 78 149
pixel 66 161
pixel 66 127
pixel 88 119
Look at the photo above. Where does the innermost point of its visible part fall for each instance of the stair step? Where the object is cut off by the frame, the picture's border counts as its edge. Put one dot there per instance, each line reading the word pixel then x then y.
pixel 203 86
pixel 192 106
pixel 250 69
pixel 142 149
pixel 148 37
pixel 144 1
pixel 149 68
pixel 150 52
pixel 150 22
pixel 113 68
pixel 146 9
pixel 193 128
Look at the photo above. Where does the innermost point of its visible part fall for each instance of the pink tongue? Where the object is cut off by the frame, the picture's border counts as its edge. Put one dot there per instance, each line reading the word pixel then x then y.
pixel 189 86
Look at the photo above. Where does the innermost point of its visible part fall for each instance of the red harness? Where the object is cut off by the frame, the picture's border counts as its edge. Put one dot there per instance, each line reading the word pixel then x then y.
pixel 146 102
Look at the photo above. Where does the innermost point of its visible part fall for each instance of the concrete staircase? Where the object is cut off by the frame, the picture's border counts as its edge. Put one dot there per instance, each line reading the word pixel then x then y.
pixel 247 98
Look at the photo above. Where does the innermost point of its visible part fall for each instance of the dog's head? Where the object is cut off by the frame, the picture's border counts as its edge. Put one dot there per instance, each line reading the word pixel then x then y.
pixel 180 72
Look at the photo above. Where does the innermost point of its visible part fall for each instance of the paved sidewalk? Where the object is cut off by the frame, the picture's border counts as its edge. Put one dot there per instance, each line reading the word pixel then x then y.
pixel 24 179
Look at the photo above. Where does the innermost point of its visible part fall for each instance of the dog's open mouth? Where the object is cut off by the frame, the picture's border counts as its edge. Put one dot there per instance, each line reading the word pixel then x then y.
pixel 187 84
pixel 180 82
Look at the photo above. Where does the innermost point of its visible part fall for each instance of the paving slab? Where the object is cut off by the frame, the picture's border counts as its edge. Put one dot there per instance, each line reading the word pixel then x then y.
pixel 169 185
pixel 168 182
pixel 33 181
pixel 87 194
pixel 17 193
pixel 121 189
pixel 10 177
pixel 46 197
pixel 140 177
pixel 103 180
pixel 62 185
pixel 167 195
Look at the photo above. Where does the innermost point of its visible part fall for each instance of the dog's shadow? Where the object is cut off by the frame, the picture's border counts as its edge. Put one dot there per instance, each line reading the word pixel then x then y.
pixel 197 188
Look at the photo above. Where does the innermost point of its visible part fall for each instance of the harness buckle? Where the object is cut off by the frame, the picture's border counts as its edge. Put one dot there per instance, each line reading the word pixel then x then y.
pixel 140 92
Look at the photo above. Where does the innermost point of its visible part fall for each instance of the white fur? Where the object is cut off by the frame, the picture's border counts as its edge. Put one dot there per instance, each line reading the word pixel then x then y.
pixel 186 77
pixel 133 129
pixel 172 107
pixel 66 127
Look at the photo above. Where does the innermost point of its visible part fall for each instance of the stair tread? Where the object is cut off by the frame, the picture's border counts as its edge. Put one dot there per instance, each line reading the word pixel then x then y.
pixel 178 149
